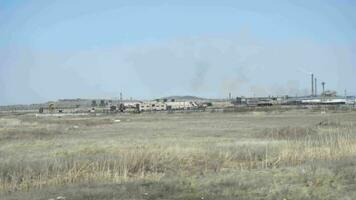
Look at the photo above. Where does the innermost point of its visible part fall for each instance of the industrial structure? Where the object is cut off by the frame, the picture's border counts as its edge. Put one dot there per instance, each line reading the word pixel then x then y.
pixel 290 101
pixel 327 97
pixel 316 99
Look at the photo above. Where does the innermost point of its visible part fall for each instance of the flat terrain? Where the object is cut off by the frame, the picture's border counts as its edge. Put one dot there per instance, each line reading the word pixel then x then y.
pixel 255 155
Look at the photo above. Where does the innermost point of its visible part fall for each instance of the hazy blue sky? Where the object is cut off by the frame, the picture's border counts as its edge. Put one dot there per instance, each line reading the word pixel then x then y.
pixel 147 49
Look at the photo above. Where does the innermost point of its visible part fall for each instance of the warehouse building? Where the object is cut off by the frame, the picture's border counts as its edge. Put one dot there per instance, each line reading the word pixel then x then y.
pixel 152 106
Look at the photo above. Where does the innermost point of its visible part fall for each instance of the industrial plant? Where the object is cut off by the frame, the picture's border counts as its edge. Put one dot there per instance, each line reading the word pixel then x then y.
pixel 325 99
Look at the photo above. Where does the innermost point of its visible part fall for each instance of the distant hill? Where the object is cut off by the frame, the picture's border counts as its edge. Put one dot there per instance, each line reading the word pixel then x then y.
pixel 185 98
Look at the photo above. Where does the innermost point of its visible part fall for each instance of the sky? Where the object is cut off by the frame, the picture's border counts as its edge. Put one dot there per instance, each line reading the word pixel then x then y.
pixel 148 49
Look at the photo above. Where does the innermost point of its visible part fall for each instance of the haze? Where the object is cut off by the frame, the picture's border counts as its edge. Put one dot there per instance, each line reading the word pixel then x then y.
pixel 96 49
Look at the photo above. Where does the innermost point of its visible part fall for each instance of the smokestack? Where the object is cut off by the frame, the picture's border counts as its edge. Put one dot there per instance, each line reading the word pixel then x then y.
pixel 120 96
pixel 316 86
pixel 312 84
pixel 229 95
pixel 323 84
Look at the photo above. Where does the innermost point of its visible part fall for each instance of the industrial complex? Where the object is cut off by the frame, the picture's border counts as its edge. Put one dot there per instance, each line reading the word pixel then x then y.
pixel 324 99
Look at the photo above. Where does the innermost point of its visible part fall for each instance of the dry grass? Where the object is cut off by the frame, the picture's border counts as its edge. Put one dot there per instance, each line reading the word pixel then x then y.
pixel 34 133
pixel 157 156
pixel 148 161
pixel 289 133
pixel 335 146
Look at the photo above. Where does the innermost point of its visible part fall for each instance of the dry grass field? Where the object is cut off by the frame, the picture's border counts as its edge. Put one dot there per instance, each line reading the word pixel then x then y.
pixel 255 155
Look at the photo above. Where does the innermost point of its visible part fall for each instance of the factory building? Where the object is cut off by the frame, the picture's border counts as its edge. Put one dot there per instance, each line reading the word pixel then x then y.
pixel 181 105
pixel 308 100
pixel 164 105
pixel 152 106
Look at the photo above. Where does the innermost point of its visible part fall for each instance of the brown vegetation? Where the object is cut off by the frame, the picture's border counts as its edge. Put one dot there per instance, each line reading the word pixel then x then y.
pixel 156 147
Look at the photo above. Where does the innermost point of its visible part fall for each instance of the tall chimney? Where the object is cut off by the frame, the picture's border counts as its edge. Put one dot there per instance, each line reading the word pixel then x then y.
pixel 323 84
pixel 316 86
pixel 312 84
